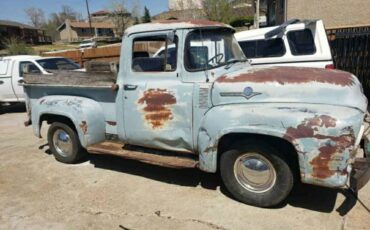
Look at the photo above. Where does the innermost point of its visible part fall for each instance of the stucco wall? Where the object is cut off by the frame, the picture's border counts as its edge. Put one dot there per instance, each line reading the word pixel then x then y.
pixel 335 13
pixel 67 34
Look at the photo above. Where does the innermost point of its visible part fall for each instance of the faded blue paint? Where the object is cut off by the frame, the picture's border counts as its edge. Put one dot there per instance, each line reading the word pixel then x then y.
pixel 86 114
pixel 192 115
pixel 272 120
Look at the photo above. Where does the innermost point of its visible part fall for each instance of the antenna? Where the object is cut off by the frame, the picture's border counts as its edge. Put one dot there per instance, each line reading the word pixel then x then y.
pixel 88 14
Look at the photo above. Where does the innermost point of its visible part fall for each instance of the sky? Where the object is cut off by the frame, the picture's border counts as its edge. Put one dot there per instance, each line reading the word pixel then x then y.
pixel 14 9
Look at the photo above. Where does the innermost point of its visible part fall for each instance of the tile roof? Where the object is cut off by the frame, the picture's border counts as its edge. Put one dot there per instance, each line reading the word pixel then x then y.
pixel 103 25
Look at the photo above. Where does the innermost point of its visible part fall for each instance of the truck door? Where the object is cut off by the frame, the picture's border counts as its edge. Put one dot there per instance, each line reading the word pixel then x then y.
pixel 157 104
pixel 19 69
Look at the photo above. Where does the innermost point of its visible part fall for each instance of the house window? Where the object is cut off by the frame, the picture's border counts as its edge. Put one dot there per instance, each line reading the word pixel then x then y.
pixel 149 54
pixel 301 42
pixel 263 48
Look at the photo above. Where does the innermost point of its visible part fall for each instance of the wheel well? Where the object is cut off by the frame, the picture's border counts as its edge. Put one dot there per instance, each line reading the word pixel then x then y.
pixel 51 118
pixel 282 145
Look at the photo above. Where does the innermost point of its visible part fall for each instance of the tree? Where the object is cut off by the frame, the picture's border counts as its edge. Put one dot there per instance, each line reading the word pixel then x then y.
pixel 36 16
pixel 146 18
pixel 120 17
pixel 218 10
pixel 135 12
pixel 188 9
pixel 57 19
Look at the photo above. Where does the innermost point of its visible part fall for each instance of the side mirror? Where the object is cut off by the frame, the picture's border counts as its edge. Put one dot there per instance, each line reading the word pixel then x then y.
pixel 171 36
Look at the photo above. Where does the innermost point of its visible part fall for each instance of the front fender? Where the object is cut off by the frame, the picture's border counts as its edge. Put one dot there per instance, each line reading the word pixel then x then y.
pixel 324 136
pixel 86 115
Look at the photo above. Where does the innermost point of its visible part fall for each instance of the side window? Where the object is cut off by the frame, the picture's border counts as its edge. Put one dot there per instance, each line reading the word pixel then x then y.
pixel 149 54
pixel 28 67
pixel 301 42
pixel 263 48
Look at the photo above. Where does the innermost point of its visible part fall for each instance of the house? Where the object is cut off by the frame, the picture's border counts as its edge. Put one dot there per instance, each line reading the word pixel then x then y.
pixel 73 31
pixel 334 13
pixel 100 16
pixel 26 33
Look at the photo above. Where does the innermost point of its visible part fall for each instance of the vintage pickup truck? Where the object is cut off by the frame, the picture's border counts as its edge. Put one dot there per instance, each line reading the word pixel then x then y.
pixel 261 128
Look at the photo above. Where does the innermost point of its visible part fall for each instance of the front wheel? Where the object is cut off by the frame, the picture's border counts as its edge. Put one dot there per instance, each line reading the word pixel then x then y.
pixel 256 174
pixel 64 143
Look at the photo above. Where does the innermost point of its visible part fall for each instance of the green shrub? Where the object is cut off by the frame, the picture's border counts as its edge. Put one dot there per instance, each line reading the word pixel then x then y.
pixel 242 21
pixel 17 47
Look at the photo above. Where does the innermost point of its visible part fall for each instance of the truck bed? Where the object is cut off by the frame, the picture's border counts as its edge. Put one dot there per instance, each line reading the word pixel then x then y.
pixel 72 79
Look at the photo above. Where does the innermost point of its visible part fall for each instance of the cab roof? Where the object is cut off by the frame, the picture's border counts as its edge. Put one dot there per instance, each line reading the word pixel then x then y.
pixel 161 25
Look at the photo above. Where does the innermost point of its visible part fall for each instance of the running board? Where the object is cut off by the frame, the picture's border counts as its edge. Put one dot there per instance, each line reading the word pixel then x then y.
pixel 161 158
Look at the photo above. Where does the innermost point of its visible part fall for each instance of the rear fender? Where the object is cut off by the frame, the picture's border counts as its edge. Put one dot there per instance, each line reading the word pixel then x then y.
pixel 86 115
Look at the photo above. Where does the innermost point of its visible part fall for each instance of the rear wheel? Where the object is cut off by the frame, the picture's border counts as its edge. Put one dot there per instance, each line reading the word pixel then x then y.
pixel 256 174
pixel 64 143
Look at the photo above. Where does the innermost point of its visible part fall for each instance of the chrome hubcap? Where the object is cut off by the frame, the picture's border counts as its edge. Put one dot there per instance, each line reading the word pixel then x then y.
pixel 254 172
pixel 62 143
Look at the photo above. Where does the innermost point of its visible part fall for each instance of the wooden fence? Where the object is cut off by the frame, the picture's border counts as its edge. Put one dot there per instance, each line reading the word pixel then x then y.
pixel 350 48
pixel 103 54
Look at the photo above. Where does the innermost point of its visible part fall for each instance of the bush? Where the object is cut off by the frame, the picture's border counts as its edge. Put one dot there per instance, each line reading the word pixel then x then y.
pixel 16 47
pixel 240 22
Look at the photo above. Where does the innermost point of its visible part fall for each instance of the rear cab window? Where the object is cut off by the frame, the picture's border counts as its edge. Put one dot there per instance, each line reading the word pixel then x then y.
pixel 263 48
pixel 301 42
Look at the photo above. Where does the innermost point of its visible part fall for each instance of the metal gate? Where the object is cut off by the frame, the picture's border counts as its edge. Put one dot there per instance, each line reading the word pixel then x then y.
pixel 350 48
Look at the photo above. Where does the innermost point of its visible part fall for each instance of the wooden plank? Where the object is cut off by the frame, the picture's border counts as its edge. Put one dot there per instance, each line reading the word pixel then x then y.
pixel 118 149
pixel 73 78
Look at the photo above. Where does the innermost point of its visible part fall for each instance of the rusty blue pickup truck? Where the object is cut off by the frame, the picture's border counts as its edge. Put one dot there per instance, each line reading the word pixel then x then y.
pixel 185 96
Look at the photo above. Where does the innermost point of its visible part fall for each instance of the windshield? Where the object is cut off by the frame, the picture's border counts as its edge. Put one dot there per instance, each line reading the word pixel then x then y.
pixel 209 49
pixel 58 64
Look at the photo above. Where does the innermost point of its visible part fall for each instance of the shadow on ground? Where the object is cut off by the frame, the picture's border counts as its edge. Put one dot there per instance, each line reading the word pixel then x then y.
pixel 16 108
pixel 304 196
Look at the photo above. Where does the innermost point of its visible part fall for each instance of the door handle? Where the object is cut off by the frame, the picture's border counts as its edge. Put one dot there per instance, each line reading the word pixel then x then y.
pixel 129 87
pixel 1 82
pixel 21 81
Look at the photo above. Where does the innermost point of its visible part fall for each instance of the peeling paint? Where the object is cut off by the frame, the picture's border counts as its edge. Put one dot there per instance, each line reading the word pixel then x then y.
pixel 112 123
pixel 195 22
pixel 291 75
pixel 157 107
pixel 329 145
pixel 84 127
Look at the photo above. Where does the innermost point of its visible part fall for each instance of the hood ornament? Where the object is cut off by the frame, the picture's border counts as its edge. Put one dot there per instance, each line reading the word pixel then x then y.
pixel 247 93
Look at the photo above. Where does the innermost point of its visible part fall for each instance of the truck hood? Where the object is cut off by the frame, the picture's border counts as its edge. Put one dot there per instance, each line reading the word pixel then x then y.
pixel 289 85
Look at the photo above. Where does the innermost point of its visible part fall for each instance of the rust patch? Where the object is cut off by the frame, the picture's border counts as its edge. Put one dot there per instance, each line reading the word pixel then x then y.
pixel 112 123
pixel 336 144
pixel 197 22
pixel 291 75
pixel 157 106
pixel 84 127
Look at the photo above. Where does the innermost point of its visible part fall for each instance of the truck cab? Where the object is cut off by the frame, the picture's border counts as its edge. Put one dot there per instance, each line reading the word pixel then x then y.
pixel 199 104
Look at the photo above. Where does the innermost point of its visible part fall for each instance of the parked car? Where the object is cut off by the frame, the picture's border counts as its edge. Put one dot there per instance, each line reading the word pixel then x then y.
pixel 295 43
pixel 261 128
pixel 12 69
pixel 88 43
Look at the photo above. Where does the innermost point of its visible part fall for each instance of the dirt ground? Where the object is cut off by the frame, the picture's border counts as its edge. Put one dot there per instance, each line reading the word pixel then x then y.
pixel 37 192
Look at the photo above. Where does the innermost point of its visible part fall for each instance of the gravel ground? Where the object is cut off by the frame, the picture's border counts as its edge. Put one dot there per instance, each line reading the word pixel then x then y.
pixel 37 192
